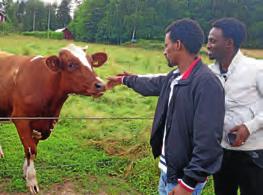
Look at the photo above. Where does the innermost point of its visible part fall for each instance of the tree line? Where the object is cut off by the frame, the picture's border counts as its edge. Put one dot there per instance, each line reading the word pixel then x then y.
pixel 118 21
pixel 34 15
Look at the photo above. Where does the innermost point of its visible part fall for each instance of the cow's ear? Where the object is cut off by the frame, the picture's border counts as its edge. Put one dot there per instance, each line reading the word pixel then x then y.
pixel 98 59
pixel 53 63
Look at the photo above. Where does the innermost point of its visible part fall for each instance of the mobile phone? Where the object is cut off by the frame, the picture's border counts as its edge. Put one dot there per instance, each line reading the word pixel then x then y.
pixel 231 137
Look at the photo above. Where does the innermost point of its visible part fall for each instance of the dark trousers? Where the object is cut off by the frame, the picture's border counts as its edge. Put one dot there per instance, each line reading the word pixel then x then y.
pixel 239 170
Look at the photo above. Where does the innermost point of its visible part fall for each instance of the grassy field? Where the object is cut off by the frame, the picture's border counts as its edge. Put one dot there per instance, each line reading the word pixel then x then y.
pixel 91 156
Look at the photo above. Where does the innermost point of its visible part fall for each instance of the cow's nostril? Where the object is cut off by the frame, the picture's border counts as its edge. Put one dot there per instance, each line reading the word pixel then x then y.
pixel 99 86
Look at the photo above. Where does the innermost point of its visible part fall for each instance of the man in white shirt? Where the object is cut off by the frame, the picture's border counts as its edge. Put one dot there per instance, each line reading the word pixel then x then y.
pixel 242 78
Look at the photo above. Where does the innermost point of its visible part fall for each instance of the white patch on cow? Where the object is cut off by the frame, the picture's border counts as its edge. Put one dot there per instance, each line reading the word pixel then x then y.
pixel 15 74
pixel 99 79
pixel 35 58
pixel 36 134
pixel 85 48
pixel 31 179
pixel 29 151
pixel 25 168
pixel 1 152
pixel 16 71
pixel 79 53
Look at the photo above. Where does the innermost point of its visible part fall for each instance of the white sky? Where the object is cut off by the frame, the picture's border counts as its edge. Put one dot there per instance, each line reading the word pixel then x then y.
pixel 58 3
pixel 51 1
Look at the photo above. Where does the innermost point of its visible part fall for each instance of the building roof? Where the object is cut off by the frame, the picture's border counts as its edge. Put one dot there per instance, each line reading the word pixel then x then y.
pixel 61 29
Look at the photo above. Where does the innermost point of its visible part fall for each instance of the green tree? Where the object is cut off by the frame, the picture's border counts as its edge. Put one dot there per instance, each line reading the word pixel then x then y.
pixel 63 13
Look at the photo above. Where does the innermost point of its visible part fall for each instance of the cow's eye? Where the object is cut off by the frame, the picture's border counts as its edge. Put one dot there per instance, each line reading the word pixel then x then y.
pixel 72 66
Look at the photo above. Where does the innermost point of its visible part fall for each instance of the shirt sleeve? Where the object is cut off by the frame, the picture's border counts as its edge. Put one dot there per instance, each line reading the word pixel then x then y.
pixel 257 122
pixel 146 85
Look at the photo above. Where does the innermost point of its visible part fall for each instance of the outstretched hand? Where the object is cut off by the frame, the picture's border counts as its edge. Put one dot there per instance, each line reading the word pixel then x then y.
pixel 116 80
pixel 113 81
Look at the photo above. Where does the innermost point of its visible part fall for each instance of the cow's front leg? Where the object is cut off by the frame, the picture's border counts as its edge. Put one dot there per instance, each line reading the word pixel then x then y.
pixel 1 152
pixel 30 175
pixel 25 134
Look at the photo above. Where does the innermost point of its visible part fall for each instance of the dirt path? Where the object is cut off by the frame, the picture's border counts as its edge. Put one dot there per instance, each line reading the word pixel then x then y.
pixel 63 189
pixel 67 188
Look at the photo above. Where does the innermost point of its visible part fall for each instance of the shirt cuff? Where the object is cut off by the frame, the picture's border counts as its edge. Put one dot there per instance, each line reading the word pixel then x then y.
pixel 185 186
pixel 122 78
pixel 189 183
pixel 252 125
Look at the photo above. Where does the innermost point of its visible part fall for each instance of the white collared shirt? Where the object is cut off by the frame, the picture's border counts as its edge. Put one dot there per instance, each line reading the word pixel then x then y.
pixel 243 84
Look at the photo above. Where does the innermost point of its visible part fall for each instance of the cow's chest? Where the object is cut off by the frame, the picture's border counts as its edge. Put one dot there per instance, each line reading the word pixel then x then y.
pixel 45 127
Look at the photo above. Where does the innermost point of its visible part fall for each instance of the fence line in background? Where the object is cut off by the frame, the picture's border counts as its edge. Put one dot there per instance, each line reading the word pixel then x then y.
pixel 75 118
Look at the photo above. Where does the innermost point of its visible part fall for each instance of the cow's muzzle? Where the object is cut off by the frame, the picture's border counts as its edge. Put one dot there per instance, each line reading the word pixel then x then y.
pixel 99 89
pixel 99 86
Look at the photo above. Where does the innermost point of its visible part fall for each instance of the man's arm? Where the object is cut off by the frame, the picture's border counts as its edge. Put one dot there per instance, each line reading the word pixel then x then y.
pixel 257 122
pixel 146 85
pixel 245 130
pixel 207 133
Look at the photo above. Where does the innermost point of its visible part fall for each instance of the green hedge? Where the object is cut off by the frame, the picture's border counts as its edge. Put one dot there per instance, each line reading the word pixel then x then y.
pixel 146 44
pixel 6 28
pixel 44 34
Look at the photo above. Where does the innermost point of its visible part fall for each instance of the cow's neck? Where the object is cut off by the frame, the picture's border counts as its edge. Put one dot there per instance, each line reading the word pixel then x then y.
pixel 55 95
pixel 57 100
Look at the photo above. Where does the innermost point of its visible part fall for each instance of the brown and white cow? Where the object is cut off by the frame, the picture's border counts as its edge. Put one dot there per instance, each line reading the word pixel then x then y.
pixel 38 87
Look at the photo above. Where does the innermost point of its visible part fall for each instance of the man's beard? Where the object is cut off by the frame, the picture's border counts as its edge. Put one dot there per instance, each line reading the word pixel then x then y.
pixel 211 57
pixel 170 64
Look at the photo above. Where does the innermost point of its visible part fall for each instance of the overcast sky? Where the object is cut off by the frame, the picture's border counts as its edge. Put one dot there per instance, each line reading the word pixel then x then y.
pixel 58 2
pixel 52 1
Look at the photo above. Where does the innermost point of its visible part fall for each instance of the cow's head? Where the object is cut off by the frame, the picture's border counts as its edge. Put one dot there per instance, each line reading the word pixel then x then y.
pixel 76 69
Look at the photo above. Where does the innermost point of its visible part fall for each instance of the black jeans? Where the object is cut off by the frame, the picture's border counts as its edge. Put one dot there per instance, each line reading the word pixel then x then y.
pixel 240 169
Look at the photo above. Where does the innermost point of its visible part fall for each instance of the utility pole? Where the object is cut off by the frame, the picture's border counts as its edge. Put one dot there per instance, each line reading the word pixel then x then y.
pixel 48 22
pixel 34 19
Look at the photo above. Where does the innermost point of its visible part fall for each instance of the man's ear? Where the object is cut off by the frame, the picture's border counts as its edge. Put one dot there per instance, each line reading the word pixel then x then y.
pixel 53 63
pixel 98 59
pixel 229 43
pixel 177 45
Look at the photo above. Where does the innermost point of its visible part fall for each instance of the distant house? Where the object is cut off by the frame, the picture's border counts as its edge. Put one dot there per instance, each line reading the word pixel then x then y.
pixel 2 16
pixel 67 34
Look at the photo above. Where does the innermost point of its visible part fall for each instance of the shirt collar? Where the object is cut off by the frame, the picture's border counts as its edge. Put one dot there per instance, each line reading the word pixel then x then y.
pixel 235 61
pixel 187 73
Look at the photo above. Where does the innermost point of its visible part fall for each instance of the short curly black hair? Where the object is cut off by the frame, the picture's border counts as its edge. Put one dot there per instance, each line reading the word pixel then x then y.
pixel 233 29
pixel 189 32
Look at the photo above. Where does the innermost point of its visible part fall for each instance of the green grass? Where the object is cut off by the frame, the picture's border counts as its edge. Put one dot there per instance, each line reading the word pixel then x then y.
pixel 110 156
pixel 114 153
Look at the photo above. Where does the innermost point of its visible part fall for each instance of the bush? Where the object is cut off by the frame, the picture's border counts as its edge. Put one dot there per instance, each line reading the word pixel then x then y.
pixel 6 28
pixel 44 34
pixel 146 44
